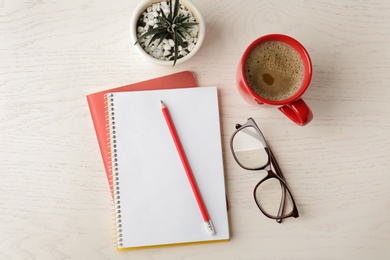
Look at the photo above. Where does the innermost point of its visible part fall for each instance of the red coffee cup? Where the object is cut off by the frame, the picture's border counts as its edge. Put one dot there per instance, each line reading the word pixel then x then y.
pixel 293 107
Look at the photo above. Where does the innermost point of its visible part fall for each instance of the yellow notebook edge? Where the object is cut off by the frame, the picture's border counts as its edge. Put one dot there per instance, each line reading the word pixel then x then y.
pixel 173 244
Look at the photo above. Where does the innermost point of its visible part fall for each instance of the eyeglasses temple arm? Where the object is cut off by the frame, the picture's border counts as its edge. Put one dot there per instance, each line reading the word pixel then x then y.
pixel 280 174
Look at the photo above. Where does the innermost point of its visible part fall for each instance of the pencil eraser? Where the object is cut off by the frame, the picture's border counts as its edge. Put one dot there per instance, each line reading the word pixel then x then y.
pixel 210 227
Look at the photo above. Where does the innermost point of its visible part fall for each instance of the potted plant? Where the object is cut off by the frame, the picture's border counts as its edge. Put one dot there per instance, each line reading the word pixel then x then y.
pixel 167 32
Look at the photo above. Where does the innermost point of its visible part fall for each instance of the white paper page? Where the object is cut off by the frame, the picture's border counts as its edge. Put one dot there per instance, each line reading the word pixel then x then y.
pixel 157 202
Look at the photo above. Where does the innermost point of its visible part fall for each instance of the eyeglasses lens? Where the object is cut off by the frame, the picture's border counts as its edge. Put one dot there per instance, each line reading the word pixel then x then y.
pixel 269 195
pixel 249 149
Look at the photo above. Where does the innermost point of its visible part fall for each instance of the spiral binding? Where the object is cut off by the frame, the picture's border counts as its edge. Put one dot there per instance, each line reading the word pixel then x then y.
pixel 113 165
pixel 108 143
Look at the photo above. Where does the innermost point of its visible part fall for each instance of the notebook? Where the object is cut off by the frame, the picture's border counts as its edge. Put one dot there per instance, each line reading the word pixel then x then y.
pixel 96 105
pixel 154 202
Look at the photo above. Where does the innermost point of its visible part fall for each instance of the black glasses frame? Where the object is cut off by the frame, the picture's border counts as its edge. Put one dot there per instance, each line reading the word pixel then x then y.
pixel 271 163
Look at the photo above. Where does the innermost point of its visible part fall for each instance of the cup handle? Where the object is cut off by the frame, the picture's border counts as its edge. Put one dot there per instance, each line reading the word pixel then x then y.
pixel 298 112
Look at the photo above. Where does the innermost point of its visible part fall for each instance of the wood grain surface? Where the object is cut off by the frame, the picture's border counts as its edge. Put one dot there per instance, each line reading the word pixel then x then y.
pixel 54 197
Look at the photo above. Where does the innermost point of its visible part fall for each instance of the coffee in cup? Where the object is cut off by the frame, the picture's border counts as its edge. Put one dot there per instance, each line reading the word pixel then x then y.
pixel 276 70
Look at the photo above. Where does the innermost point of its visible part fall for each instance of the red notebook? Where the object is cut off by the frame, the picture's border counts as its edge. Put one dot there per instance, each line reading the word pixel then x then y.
pixel 96 104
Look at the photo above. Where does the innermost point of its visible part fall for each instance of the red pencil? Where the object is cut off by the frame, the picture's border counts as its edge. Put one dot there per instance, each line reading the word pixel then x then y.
pixel 191 179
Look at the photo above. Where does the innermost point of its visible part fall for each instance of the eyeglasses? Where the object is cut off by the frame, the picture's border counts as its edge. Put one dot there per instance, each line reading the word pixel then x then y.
pixel 251 152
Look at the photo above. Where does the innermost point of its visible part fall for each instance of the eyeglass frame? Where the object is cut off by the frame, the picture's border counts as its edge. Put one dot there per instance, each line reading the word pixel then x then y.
pixel 270 174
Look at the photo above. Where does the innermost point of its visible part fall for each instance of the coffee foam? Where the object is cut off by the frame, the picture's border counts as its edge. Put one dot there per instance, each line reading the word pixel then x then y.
pixel 274 70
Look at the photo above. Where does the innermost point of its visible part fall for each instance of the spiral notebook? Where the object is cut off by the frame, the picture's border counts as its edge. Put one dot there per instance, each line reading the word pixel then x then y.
pixel 154 203
pixel 96 105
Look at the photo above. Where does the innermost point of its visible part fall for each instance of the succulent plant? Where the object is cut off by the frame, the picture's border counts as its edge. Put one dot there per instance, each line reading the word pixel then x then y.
pixel 173 25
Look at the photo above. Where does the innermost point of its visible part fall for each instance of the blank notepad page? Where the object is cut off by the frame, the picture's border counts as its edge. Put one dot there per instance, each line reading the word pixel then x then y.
pixel 154 202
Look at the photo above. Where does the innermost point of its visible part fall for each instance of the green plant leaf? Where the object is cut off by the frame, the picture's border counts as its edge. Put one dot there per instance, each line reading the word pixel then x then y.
pixel 188 25
pixel 170 10
pixel 165 36
pixel 176 11
pixel 160 36
pixel 181 18
pixel 180 33
pixel 162 14
pixel 164 21
pixel 151 32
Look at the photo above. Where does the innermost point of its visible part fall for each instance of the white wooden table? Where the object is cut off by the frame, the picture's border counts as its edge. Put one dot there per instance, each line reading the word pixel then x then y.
pixel 54 197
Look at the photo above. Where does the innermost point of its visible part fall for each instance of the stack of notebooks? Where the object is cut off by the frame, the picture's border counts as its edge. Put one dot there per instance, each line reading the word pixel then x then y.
pixel 154 203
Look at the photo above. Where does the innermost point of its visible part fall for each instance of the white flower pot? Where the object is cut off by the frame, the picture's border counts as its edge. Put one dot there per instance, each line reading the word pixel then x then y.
pixel 133 31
